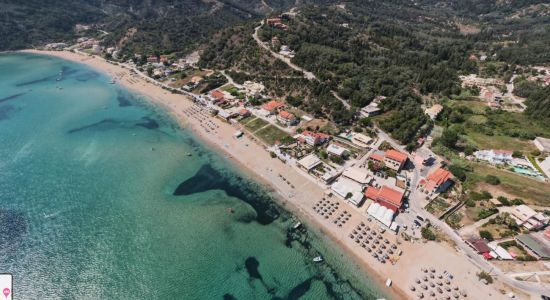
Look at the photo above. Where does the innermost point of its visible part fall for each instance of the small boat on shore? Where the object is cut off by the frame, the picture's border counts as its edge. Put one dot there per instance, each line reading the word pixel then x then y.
pixel 388 282
pixel 297 225
pixel 318 259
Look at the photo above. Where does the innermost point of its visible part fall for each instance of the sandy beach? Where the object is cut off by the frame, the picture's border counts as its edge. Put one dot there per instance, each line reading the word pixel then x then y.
pixel 300 194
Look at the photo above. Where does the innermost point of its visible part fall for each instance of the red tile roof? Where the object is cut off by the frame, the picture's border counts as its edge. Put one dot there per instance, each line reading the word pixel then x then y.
pixel 439 176
pixel 272 105
pixel 217 94
pixel 372 192
pixel 316 134
pixel 244 111
pixel 391 196
pixel 396 155
pixel 377 157
pixel 286 115
pixel 385 194
pixel 500 151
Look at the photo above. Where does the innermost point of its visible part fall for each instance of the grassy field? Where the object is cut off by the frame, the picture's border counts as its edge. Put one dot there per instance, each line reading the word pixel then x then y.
pixel 255 124
pixel 530 190
pixel 437 207
pixel 271 134
pixel 482 141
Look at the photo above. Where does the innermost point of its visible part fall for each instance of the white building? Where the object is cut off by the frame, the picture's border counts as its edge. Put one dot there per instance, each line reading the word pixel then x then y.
pixel 528 217
pixel 309 162
pixel 336 150
pixel 542 144
pixel 358 175
pixel 349 190
pixel 361 140
pixel 381 213
pixel 495 157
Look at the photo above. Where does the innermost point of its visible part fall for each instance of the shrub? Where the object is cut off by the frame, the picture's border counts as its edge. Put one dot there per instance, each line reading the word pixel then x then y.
pixel 486 235
pixel 491 179
pixel 458 172
pixel 504 200
pixel 486 276
pixel 486 213
pixel 517 153
pixel 470 203
pixel 518 201
pixel 428 234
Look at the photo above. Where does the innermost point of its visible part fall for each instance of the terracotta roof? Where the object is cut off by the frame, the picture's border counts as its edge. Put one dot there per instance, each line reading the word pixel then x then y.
pixel 385 194
pixel 391 196
pixel 372 192
pixel 439 176
pixel 316 134
pixel 376 156
pixel 244 111
pixel 272 105
pixel 396 155
pixel 286 115
pixel 217 94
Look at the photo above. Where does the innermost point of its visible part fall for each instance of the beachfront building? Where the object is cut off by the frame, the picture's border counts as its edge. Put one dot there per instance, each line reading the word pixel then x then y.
pixel 437 182
pixel 537 247
pixel 542 144
pixel 495 157
pixel 286 118
pixel 499 252
pixel 385 196
pixel 361 140
pixel 309 162
pixel 434 111
pixel 528 217
pixel 349 190
pixel 272 107
pixel 395 160
pixel 480 246
pixel 313 138
pixel 358 175
pixel 381 213
pixel 336 150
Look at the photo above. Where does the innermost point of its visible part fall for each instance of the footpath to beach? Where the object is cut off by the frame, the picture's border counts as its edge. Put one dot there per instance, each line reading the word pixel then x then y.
pixel 301 196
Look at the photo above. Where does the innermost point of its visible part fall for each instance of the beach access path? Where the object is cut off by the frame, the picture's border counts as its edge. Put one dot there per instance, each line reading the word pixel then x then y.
pixel 299 194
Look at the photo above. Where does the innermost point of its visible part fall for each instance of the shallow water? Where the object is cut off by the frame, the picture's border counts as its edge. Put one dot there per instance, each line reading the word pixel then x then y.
pixel 99 200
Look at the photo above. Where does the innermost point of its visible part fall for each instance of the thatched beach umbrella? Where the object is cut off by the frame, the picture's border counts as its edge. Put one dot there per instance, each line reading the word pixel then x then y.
pixel 412 288
pixel 424 286
pixel 420 295
pixel 425 278
pixel 417 281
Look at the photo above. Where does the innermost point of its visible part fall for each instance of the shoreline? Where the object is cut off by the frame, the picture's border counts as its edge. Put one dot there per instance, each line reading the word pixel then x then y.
pixel 251 158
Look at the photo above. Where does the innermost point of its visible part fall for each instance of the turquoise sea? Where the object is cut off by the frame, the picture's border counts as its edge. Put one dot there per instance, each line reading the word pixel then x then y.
pixel 99 200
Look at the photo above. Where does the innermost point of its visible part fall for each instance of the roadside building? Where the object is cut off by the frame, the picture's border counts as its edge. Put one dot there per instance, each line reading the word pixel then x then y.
pixel 244 113
pixel 361 140
pixel 528 217
pixel 437 182
pixel 377 156
pixel 495 157
pixel 479 245
pixel 536 247
pixel 309 162
pixel 336 150
pixel 395 160
pixel 370 110
pixel 286 118
pixel 434 111
pixel 272 107
pixel 313 138
pixel 543 144
pixel 358 175
pixel 499 252
pixel 385 196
